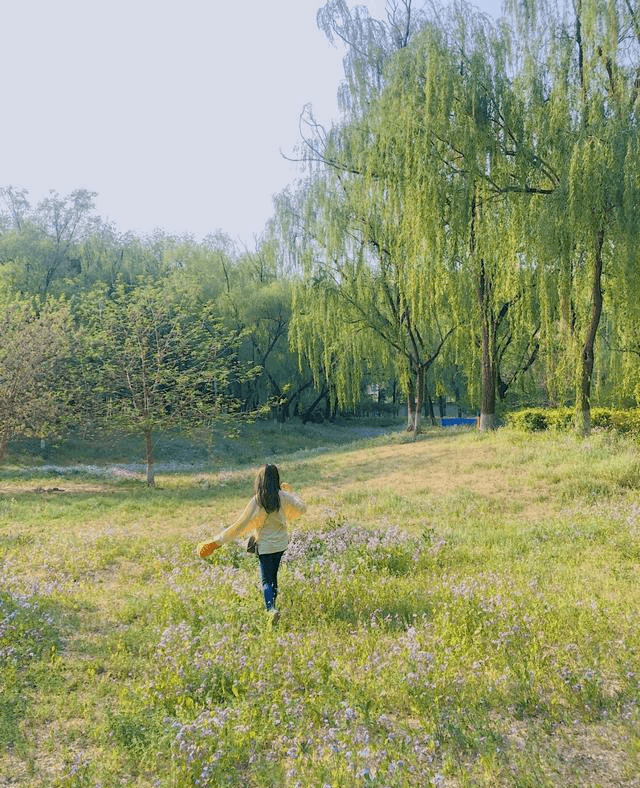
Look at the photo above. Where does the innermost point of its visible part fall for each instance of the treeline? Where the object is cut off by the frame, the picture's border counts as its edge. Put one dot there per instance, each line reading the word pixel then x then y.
pixel 103 329
pixel 466 231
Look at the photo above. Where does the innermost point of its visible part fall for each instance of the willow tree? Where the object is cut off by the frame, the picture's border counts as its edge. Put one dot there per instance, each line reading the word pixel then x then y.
pixel 367 299
pixel 580 74
pixel 360 310
pixel 453 124
pixel 624 338
pixel 427 176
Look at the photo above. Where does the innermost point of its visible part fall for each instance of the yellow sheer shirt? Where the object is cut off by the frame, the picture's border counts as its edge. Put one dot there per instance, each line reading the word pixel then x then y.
pixel 271 530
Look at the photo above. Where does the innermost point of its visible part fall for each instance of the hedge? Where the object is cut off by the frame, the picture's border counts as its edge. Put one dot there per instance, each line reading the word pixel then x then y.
pixel 539 419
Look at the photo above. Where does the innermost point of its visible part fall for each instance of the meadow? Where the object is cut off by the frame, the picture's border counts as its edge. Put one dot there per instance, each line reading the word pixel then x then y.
pixel 459 610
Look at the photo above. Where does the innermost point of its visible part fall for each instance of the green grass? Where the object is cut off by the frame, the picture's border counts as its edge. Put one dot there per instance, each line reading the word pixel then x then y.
pixel 457 611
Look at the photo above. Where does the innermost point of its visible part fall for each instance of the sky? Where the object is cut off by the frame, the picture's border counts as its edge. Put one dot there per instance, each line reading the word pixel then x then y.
pixel 176 113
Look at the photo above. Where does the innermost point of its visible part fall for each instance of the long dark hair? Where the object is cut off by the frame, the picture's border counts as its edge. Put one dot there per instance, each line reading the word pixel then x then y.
pixel 267 488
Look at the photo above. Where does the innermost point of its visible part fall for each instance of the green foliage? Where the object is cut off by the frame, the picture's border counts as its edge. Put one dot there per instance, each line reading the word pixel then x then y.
pixel 34 352
pixel 538 419
pixel 257 301
pixel 586 131
pixel 246 297
pixel 42 246
pixel 624 422
pixel 154 356
pixel 373 301
pixel 470 186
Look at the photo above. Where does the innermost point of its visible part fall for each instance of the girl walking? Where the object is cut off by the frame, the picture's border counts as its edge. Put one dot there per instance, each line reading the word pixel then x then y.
pixel 266 514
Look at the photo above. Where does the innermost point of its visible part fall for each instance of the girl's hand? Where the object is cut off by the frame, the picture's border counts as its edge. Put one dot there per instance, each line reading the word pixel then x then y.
pixel 206 548
pixel 285 486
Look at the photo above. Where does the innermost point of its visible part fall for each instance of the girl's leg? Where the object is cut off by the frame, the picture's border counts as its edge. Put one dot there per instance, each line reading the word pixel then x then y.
pixel 269 565
pixel 276 566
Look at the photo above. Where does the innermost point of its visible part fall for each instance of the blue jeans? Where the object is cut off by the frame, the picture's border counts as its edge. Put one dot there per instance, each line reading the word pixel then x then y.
pixel 269 564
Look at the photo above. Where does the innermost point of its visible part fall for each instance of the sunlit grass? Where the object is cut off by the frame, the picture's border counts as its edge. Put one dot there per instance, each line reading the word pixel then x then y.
pixel 457 611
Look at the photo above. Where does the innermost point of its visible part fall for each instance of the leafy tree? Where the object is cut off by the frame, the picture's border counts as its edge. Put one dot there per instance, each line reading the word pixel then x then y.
pixel 41 247
pixel 358 313
pixel 416 208
pixel 455 122
pixel 259 304
pixel 580 75
pixel 156 357
pixel 104 256
pixel 33 352
pixel 368 300
pixel 252 294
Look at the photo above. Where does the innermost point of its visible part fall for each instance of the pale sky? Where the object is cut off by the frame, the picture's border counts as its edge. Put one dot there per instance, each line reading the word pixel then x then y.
pixel 174 111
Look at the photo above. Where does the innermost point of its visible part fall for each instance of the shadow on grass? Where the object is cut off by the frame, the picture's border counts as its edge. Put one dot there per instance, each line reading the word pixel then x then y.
pixel 204 448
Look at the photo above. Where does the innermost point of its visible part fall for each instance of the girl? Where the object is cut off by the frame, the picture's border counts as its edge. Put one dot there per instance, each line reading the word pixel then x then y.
pixel 266 514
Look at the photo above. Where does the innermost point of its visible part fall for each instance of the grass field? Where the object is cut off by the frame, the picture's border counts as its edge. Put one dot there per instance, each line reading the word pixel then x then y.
pixel 462 610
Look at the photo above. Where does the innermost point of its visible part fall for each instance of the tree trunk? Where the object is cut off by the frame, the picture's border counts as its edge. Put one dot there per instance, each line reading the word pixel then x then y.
pixel 4 440
pixel 411 405
pixel 488 382
pixel 429 412
pixel 419 399
pixel 587 355
pixel 308 412
pixel 487 364
pixel 148 443
pixel 415 396
pixel 283 410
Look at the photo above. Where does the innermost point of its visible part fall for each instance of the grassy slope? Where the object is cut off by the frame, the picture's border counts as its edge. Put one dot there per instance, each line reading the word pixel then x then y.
pixel 492 640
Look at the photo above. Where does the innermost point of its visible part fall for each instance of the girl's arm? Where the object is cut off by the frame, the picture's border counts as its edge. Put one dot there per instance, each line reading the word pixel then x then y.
pixel 252 517
pixel 292 506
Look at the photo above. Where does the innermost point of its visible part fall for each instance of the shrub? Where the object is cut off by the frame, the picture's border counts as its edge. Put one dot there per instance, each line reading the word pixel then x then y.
pixel 529 420
pixel 539 419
